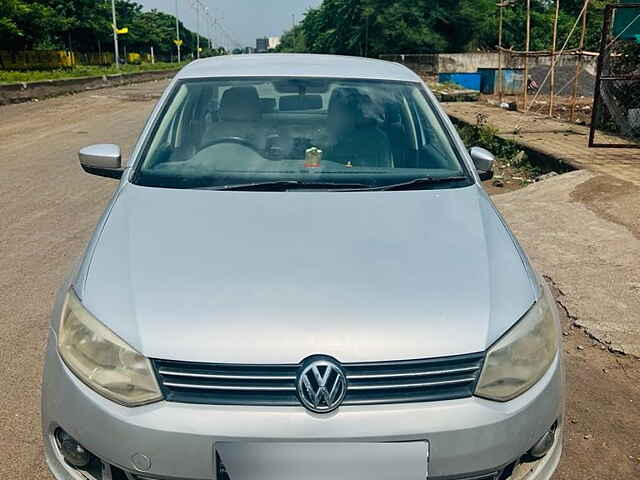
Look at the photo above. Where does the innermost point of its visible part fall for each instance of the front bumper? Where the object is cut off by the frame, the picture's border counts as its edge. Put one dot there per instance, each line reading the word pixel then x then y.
pixel 466 436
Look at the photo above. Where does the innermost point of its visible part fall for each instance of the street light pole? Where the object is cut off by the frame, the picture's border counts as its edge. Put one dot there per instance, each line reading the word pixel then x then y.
pixel 198 29
pixel 115 32
pixel 177 32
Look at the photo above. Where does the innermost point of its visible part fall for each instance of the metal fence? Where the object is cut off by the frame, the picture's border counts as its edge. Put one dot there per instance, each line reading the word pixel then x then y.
pixel 616 104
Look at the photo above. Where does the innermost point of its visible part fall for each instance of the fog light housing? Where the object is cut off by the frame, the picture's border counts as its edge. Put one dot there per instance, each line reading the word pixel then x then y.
pixel 73 453
pixel 542 446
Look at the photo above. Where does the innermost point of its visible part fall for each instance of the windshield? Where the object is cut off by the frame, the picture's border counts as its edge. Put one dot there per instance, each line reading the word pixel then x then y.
pixel 297 133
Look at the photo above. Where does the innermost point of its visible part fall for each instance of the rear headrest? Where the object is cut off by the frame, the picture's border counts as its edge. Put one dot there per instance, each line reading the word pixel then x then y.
pixel 356 103
pixel 346 99
pixel 240 104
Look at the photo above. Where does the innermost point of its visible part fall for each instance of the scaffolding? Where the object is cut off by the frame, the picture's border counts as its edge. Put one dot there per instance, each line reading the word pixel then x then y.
pixel 616 101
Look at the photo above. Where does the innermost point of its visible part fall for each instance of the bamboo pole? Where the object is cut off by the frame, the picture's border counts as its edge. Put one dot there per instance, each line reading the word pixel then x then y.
pixel 526 56
pixel 552 86
pixel 574 92
pixel 501 7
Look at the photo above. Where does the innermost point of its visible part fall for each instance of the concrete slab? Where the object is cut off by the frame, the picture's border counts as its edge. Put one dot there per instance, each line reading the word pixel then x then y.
pixel 581 230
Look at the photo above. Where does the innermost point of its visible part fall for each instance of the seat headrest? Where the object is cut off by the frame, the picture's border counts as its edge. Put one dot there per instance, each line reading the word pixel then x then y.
pixel 355 103
pixel 345 99
pixel 240 104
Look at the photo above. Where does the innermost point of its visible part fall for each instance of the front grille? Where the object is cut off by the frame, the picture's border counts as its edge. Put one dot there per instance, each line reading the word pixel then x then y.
pixel 368 383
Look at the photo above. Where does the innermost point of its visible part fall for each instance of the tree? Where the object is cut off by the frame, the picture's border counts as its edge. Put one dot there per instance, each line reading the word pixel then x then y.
pixel 86 26
pixel 26 24
pixel 83 23
pixel 373 27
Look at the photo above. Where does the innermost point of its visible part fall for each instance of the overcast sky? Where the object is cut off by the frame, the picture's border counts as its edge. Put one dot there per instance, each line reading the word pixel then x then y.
pixel 245 20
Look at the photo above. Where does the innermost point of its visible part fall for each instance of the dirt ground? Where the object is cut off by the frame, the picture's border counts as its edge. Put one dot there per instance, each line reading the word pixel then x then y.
pixel 603 411
pixel 48 208
pixel 540 105
pixel 581 231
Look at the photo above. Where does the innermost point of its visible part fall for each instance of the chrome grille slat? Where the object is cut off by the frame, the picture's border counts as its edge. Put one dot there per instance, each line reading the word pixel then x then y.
pixel 411 385
pixel 222 376
pixel 228 387
pixel 411 374
pixel 368 383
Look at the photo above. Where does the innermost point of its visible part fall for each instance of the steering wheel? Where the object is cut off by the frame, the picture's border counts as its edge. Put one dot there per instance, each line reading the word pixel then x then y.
pixel 237 140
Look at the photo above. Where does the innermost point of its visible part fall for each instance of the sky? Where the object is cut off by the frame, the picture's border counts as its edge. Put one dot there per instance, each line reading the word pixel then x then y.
pixel 244 20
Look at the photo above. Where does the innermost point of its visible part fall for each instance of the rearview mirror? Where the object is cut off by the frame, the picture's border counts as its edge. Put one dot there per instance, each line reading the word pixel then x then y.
pixel 291 103
pixel 103 159
pixel 483 160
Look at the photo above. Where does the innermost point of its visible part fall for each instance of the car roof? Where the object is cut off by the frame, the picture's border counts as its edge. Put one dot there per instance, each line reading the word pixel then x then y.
pixel 297 65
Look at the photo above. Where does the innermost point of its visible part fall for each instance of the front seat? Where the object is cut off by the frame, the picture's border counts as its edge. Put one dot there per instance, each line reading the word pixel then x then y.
pixel 356 138
pixel 240 116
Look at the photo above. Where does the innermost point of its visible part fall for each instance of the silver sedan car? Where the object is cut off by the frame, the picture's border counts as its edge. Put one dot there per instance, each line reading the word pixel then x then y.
pixel 300 277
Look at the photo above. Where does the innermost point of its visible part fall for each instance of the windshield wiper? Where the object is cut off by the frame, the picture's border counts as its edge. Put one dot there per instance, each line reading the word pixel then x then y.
pixel 283 185
pixel 419 182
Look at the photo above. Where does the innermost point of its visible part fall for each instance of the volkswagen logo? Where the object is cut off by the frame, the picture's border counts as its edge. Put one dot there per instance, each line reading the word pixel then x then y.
pixel 321 385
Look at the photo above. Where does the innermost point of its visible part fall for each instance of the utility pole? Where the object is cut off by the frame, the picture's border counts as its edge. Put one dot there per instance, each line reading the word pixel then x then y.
pixel 501 7
pixel 366 35
pixel 574 93
pixel 206 11
pixel 177 41
pixel 294 34
pixel 526 55
pixel 115 32
pixel 552 85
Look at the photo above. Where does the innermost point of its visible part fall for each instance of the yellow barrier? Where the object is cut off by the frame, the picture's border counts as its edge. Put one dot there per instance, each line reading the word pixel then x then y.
pixel 50 59
pixel 134 58
pixel 33 59
pixel 93 58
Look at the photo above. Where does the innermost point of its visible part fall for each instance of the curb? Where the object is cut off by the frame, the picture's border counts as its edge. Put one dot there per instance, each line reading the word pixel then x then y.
pixel 27 91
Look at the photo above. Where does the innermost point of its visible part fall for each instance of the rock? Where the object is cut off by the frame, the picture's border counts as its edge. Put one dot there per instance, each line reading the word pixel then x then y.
pixel 588 436
pixel 498 183
pixel 540 178
pixel 580 347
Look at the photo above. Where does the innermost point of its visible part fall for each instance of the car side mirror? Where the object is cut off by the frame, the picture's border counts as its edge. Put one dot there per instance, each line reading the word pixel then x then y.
pixel 103 159
pixel 483 160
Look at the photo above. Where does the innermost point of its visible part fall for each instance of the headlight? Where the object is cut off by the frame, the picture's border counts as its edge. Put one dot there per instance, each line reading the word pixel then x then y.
pixel 523 355
pixel 103 360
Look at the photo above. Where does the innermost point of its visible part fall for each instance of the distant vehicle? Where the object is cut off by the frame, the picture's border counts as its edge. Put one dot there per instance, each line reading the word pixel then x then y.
pixel 300 276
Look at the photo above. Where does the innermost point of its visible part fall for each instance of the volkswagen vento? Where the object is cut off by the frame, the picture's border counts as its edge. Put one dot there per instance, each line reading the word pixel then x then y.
pixel 300 277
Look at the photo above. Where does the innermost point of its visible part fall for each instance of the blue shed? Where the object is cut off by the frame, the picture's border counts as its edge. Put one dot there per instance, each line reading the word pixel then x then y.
pixel 470 81
pixel 512 80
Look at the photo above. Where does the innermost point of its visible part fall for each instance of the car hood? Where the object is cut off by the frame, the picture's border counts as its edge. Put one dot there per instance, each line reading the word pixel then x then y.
pixel 274 277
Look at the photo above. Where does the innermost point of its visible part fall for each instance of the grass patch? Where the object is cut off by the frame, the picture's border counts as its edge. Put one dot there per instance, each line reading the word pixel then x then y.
pixel 15 76
pixel 446 87
pixel 511 157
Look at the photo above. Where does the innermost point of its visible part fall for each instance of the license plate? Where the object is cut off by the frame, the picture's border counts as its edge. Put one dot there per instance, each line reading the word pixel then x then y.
pixel 321 461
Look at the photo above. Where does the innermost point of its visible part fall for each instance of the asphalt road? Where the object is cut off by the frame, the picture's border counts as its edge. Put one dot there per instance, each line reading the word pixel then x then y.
pixel 49 207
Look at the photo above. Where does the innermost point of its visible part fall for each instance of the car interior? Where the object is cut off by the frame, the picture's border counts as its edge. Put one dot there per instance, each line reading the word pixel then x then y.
pixel 352 125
